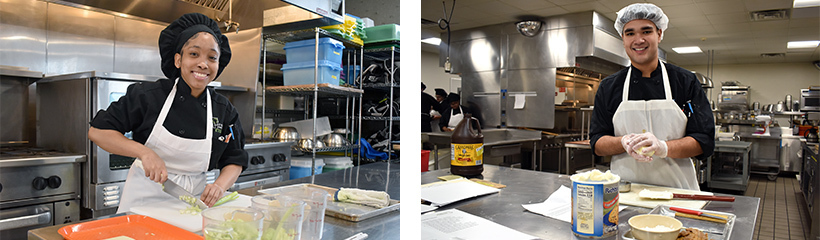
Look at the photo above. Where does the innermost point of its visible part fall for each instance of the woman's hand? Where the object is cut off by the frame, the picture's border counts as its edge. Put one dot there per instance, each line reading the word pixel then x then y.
pixel 211 194
pixel 154 167
pixel 446 129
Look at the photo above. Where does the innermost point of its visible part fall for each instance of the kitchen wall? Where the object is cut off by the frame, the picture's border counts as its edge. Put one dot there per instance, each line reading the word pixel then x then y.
pixel 434 76
pixel 769 82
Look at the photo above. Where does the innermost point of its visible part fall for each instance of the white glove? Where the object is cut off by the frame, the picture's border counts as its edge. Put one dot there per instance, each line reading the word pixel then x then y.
pixel 628 142
pixel 652 143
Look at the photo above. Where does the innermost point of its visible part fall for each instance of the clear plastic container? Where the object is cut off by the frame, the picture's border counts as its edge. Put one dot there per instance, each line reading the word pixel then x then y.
pixel 316 204
pixel 222 223
pixel 283 216
pixel 301 73
pixel 300 167
pixel 304 51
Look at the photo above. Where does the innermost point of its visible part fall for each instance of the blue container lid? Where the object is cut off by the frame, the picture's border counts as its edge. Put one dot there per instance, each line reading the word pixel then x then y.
pixel 309 42
pixel 309 64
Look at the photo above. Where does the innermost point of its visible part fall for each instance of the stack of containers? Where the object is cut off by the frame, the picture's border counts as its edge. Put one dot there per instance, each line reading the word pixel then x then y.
pixel 300 167
pixel 382 36
pixel 352 29
pixel 300 58
pixel 336 163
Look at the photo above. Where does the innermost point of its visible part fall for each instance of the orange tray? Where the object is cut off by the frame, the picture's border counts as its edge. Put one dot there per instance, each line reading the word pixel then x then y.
pixel 133 226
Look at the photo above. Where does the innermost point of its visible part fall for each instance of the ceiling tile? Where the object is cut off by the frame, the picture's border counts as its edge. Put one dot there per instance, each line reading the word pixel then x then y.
pixel 764 26
pixel 812 12
pixel 548 11
pixel 736 17
pixel 496 8
pixel 667 3
pixel 803 34
pixel 733 28
pixel 806 22
pixel 528 5
pixel 690 22
pixel 566 2
pixel 616 5
pixel 682 11
pixel 722 7
pixel 586 6
pixel 758 5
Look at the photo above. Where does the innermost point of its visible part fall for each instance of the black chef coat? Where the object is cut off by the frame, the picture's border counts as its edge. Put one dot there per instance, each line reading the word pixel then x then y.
pixel 445 116
pixel 427 103
pixel 685 87
pixel 139 108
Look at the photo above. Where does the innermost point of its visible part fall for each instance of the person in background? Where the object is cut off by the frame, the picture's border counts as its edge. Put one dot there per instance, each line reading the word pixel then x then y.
pixel 427 104
pixel 453 115
pixel 653 116
pixel 181 129
pixel 441 95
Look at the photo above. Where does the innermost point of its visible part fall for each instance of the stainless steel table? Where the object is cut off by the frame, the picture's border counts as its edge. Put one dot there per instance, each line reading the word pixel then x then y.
pixel 525 186
pixel 374 176
pixel 575 145
pixel 497 142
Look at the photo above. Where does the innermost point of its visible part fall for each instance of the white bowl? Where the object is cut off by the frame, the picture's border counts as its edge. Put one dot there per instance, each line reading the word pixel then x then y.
pixel 646 227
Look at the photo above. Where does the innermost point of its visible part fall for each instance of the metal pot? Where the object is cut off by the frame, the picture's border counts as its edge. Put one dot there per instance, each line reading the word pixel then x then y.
pixel 286 134
pixel 335 140
pixel 307 143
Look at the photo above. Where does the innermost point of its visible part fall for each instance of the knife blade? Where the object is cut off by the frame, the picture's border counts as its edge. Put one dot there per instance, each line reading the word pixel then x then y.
pixel 175 190
pixel 696 212
pixel 646 193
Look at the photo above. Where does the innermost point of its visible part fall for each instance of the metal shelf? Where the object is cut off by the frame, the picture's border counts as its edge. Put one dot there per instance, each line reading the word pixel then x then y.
pixel 375 118
pixel 324 90
pixel 290 36
pixel 327 149
pixel 382 54
pixel 384 86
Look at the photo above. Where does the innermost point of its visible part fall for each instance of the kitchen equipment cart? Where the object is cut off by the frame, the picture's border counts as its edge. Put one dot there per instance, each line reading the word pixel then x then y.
pixel 728 167
pixel 526 187
pixel 312 92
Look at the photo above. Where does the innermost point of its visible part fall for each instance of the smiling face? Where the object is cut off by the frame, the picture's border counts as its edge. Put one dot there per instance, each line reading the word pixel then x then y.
pixel 198 61
pixel 641 39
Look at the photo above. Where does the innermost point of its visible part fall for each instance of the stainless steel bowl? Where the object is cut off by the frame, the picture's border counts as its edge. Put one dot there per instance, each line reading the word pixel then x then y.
pixel 286 134
pixel 307 143
pixel 335 140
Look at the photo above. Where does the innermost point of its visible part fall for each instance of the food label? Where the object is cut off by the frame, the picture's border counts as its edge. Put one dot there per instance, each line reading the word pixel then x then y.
pixel 594 209
pixel 466 154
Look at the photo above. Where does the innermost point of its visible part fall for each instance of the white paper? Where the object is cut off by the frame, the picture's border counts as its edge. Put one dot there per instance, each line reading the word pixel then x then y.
pixel 558 205
pixel 427 208
pixel 456 224
pixel 520 100
pixel 443 193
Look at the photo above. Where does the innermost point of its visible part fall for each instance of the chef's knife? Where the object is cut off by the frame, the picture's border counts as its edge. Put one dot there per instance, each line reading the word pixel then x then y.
pixel 175 190
pixel 696 212
pixel 646 193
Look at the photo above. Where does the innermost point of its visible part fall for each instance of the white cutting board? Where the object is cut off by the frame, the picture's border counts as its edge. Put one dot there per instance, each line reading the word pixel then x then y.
pixel 632 198
pixel 168 212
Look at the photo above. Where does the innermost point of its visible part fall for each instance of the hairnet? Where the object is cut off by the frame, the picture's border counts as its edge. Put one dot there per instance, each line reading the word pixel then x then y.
pixel 173 37
pixel 637 11
pixel 441 92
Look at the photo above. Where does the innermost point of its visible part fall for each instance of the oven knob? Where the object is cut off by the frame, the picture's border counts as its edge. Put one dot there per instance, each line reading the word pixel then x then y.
pixel 39 183
pixel 54 182
pixel 254 160
pixel 262 159
pixel 279 157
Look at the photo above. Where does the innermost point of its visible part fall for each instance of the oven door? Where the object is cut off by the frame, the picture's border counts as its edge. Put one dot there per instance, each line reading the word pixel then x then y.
pixel 107 167
pixel 15 222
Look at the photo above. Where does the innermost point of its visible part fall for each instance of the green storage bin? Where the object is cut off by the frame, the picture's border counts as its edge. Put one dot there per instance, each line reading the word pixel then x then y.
pixel 382 33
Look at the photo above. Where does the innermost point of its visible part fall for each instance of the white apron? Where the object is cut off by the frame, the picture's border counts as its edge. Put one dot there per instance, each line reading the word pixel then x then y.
pixel 664 119
pixel 455 118
pixel 185 159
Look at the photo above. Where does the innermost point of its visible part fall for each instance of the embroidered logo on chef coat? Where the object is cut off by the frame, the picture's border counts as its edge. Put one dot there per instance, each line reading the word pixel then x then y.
pixel 217 126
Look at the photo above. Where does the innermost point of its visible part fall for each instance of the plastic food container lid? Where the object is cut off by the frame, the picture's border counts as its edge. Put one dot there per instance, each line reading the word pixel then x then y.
pixel 306 162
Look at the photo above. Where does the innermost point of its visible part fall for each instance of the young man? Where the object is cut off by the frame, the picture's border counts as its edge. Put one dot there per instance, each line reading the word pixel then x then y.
pixel 653 116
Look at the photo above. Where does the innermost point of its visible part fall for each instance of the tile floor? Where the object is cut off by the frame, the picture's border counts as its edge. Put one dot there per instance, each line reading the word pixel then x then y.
pixel 782 213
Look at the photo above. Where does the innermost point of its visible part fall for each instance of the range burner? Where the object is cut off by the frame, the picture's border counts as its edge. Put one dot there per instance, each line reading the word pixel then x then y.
pixel 19 152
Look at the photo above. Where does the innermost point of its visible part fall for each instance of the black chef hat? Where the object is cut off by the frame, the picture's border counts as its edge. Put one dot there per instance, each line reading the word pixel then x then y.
pixel 453 97
pixel 423 86
pixel 441 92
pixel 178 32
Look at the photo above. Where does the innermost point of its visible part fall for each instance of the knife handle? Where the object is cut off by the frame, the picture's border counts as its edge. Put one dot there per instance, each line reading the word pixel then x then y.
pixel 684 210
pixel 704 197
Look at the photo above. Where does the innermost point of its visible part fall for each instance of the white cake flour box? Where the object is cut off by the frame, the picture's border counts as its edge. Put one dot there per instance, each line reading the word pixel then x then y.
pixel 595 204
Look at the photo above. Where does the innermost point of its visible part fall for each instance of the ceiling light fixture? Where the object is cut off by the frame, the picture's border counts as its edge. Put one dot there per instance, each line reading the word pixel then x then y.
pixel 433 41
pixel 528 28
pixel 685 50
pixel 806 3
pixel 803 44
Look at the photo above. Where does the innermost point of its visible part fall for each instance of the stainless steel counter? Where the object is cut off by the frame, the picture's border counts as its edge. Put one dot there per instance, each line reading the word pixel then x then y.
pixel 524 187
pixel 497 142
pixel 374 176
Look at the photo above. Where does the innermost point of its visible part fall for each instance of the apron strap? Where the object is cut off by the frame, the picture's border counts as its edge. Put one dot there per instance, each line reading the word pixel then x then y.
pixel 667 90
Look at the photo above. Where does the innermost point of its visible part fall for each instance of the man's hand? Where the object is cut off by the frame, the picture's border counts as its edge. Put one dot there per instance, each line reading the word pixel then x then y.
pixel 654 144
pixel 629 143
pixel 154 167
